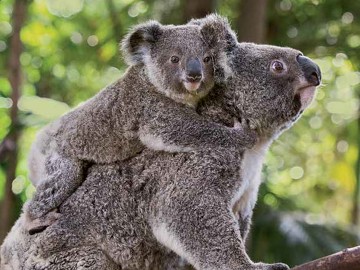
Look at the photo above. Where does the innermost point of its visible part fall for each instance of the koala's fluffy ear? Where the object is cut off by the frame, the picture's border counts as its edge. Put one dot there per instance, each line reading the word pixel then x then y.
pixel 139 40
pixel 216 30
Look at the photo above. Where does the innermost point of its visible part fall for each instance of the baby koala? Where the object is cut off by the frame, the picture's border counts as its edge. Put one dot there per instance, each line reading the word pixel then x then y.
pixel 152 105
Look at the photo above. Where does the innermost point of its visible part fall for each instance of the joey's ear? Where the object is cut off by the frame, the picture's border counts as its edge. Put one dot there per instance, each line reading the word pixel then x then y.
pixel 216 30
pixel 137 43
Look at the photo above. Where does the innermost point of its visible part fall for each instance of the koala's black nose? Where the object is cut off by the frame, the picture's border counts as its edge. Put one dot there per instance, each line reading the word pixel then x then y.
pixel 193 70
pixel 311 70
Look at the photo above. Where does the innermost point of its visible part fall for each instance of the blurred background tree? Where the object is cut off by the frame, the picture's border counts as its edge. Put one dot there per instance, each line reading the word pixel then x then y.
pixel 58 53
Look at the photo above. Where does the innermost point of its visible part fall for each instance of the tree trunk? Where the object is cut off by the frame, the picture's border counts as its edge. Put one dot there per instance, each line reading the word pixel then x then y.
pixel 252 21
pixel 348 259
pixel 193 9
pixel 116 25
pixel 11 140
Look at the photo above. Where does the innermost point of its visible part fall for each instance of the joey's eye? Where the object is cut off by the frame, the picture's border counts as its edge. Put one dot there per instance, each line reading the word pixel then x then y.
pixel 277 66
pixel 174 59
pixel 207 59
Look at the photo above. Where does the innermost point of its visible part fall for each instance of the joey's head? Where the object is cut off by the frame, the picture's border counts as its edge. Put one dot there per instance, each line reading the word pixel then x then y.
pixel 177 59
pixel 270 86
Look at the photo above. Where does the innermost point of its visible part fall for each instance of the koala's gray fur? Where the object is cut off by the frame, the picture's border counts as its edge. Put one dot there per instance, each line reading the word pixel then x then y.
pixel 137 110
pixel 159 207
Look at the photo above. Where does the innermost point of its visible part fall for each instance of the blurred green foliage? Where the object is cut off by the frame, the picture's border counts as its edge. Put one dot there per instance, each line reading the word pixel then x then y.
pixel 71 52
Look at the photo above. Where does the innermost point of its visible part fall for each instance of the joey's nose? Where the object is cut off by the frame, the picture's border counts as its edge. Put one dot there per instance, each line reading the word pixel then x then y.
pixel 311 70
pixel 193 70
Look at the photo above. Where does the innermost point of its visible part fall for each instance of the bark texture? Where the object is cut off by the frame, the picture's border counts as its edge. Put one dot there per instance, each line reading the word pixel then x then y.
pixel 348 259
pixel 252 21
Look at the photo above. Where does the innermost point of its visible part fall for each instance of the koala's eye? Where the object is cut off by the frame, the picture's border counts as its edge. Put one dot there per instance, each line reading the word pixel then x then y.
pixel 277 66
pixel 174 59
pixel 207 59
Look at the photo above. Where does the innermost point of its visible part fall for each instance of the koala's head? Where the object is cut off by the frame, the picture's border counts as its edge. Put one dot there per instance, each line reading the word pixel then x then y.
pixel 178 59
pixel 267 86
pixel 270 86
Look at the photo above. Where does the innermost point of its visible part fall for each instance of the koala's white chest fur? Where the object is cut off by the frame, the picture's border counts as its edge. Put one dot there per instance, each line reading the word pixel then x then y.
pixel 244 199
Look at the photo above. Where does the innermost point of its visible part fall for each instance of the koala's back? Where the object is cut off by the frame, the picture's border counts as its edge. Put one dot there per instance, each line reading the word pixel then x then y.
pixel 104 129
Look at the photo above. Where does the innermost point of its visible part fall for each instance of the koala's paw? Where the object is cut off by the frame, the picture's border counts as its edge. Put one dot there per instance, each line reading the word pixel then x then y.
pixel 273 266
pixel 237 124
pixel 40 224
pixel 35 209
pixel 279 266
pixel 249 136
pixel 42 203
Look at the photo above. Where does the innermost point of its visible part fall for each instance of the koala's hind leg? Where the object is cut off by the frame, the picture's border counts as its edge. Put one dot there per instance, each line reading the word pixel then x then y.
pixel 62 177
pixel 39 224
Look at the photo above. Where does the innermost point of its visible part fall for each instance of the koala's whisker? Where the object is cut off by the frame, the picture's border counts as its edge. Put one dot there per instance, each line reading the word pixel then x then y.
pixel 280 142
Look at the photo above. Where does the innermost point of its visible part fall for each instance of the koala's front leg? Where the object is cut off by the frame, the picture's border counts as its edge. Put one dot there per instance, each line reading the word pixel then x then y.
pixel 201 228
pixel 181 130
pixel 62 177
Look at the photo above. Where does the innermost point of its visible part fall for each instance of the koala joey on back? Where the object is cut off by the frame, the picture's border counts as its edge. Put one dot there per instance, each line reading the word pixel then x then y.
pixel 152 105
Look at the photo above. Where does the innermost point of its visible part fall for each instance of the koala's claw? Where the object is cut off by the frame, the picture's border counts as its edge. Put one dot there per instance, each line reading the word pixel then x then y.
pixel 249 136
pixel 244 124
pixel 273 266
pixel 237 124
pixel 37 229
pixel 38 225
pixel 279 266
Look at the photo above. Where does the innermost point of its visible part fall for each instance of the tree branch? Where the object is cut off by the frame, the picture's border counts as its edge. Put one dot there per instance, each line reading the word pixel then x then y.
pixel 252 21
pixel 5 147
pixel 7 215
pixel 115 19
pixel 348 259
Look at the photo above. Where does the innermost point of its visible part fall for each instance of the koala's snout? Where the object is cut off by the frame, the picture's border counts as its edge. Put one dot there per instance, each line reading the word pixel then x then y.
pixel 311 70
pixel 193 70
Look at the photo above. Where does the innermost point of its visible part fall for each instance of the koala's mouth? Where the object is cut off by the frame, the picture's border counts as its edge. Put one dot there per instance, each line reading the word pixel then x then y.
pixel 192 86
pixel 306 94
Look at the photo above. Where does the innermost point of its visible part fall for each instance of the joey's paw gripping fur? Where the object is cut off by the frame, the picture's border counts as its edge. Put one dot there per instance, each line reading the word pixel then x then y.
pixel 38 225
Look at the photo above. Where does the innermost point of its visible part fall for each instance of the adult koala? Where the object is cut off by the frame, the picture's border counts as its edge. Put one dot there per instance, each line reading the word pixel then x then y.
pixel 131 114
pixel 159 207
